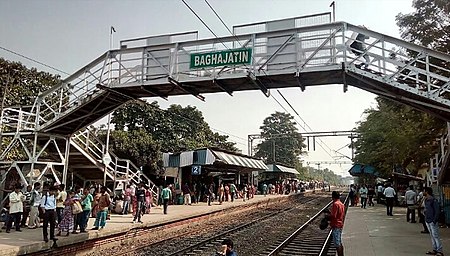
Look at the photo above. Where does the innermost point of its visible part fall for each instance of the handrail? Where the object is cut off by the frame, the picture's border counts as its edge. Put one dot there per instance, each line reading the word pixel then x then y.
pixel 306 47
pixel 95 148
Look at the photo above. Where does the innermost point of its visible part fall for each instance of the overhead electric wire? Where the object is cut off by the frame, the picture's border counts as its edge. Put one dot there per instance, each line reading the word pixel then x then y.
pixel 199 18
pixel 33 60
pixel 320 141
pixel 61 71
pixel 229 30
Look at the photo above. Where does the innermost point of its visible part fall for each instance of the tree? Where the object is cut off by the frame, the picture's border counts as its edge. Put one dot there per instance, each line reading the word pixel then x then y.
pixel 428 26
pixel 138 146
pixel 396 136
pixel 282 137
pixel 19 86
pixel 175 129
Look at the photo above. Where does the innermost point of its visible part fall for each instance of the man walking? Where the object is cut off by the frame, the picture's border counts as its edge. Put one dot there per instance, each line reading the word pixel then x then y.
pixel 389 193
pixel 421 210
pixel 140 196
pixel 336 218
pixel 35 201
pixel 26 206
pixel 410 197
pixel 363 193
pixel 431 218
pixel 187 194
pixel 166 194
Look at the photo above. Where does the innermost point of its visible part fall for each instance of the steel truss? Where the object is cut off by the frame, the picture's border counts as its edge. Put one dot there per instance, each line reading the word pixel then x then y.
pixel 283 55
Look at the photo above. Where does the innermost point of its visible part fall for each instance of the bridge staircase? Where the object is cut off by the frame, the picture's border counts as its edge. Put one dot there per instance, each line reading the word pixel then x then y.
pixel 85 154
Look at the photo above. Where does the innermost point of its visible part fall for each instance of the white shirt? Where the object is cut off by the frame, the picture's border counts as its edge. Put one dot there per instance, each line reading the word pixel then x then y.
pixel 389 192
pixel 410 197
pixel 37 198
pixel 363 192
pixel 16 202
pixel 380 188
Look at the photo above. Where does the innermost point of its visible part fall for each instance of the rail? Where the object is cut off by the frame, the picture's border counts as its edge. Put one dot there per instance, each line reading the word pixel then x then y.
pixel 295 234
pixel 233 230
pixel 327 243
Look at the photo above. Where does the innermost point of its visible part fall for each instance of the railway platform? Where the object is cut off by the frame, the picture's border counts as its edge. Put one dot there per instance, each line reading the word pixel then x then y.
pixel 370 232
pixel 30 240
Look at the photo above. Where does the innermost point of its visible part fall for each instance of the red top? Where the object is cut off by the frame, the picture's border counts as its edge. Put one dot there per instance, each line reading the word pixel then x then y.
pixel 337 214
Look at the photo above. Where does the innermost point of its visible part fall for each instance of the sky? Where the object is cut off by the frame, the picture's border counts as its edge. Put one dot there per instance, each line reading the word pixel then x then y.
pixel 68 34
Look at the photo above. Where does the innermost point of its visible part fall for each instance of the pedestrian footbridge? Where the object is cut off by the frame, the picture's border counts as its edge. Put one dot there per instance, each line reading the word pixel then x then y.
pixel 260 56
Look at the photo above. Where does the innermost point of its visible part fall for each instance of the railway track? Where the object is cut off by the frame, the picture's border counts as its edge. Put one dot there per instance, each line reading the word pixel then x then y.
pixel 197 246
pixel 307 239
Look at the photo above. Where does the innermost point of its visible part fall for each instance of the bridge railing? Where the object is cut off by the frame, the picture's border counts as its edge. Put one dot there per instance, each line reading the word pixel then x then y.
pixel 118 168
pixel 401 62
pixel 284 51
pixel 16 119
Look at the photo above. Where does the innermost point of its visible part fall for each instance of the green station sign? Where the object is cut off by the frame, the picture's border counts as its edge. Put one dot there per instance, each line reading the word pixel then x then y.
pixel 221 58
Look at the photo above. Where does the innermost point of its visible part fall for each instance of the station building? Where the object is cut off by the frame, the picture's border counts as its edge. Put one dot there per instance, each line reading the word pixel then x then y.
pixel 207 165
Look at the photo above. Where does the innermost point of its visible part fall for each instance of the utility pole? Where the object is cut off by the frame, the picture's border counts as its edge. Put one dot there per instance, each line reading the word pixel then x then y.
pixel 333 4
pixel 273 150
pixel 106 157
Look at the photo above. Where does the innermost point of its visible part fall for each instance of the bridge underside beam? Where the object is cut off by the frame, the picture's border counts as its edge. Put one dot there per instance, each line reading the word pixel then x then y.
pixel 187 88
pixel 410 98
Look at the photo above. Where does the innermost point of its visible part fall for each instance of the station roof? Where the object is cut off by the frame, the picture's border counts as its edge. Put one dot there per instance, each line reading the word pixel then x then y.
pixel 212 156
pixel 407 176
pixel 361 169
pixel 281 168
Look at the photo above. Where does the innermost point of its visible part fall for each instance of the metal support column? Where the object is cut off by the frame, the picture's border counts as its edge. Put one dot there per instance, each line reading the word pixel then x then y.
pixel 33 158
pixel 66 160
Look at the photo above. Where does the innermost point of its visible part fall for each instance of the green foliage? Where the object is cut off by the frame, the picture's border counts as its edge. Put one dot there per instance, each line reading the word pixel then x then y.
pixel 143 131
pixel 395 135
pixel 321 175
pixel 280 135
pixel 136 145
pixel 428 26
pixel 19 85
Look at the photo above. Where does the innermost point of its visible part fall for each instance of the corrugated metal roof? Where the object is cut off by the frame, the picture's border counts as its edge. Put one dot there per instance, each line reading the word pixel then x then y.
pixel 239 160
pixel 281 168
pixel 208 156
pixel 204 157
pixel 186 158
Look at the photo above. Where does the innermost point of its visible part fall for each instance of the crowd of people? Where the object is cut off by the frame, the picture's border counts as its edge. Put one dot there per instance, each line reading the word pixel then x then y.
pixel 59 210
pixel 420 199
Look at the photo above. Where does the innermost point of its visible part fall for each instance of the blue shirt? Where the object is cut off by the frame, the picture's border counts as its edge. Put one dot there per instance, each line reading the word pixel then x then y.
pixel 48 202
pixel 431 210
pixel 231 253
